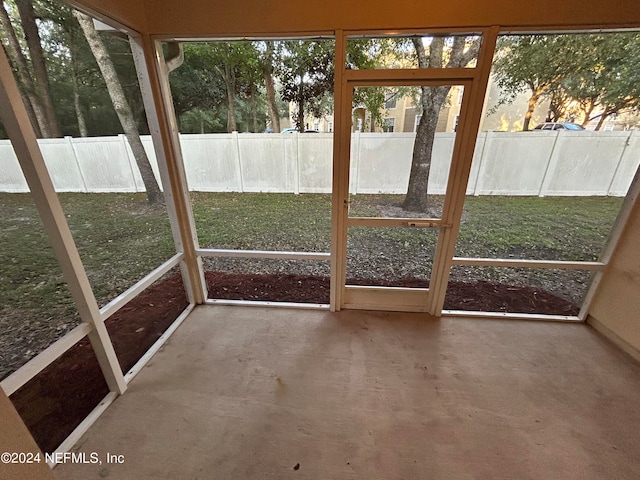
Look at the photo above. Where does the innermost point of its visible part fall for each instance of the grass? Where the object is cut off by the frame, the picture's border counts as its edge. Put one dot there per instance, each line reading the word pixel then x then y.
pixel 550 228
pixel 121 239
pixel 263 221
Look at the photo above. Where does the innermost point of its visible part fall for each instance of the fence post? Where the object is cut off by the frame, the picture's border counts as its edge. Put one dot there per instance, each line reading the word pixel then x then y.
pixel 75 159
pixel 354 162
pixel 296 164
pixel 627 142
pixel 236 150
pixel 480 170
pixel 130 161
pixel 551 164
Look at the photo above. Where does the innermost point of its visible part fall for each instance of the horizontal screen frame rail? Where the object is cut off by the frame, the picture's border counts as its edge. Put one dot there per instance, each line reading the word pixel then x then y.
pixel 522 263
pixel 219 252
pixel 46 357
pixel 267 303
pixel 402 222
pixel 140 286
pixel 428 77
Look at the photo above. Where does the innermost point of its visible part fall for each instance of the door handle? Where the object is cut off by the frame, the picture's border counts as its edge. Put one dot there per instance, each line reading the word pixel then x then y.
pixel 427 224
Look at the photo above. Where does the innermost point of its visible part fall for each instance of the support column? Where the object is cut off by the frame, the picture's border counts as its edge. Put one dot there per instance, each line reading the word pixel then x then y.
pixel 340 179
pixel 153 75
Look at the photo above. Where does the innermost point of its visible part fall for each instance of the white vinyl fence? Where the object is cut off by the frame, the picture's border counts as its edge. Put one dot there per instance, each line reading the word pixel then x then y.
pixel 522 163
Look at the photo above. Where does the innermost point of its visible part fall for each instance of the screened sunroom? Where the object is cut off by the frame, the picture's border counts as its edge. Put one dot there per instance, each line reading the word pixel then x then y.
pixel 327 243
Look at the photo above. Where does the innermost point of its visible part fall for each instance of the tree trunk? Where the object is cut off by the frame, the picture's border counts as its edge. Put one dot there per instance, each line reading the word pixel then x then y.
pixel 531 106
pixel 267 72
pixel 230 83
pixel 587 114
pixel 33 118
pixel 254 107
pixel 19 62
pixel 533 101
pixel 32 37
pixel 154 195
pixel 555 108
pixel 300 119
pixel 603 117
pixel 82 124
pixel 432 100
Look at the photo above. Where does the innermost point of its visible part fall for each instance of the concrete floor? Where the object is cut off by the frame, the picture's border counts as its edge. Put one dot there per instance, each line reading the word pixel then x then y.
pixel 243 393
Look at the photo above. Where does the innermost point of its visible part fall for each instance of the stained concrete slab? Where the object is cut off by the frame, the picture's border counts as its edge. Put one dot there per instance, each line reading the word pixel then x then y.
pixel 243 393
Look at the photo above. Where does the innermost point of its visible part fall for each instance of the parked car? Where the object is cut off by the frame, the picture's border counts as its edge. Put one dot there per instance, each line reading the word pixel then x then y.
pixel 558 126
pixel 294 130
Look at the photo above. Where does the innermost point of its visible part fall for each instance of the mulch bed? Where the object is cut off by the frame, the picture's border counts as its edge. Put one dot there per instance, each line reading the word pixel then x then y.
pixel 54 403
pixel 475 296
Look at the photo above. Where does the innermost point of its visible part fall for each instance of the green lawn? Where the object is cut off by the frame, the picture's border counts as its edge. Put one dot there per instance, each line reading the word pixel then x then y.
pixel 550 228
pixel 263 221
pixel 121 239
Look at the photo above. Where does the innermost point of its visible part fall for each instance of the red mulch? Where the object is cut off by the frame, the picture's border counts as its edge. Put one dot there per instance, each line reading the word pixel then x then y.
pixel 477 296
pixel 273 288
pixel 55 402
pixel 137 325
